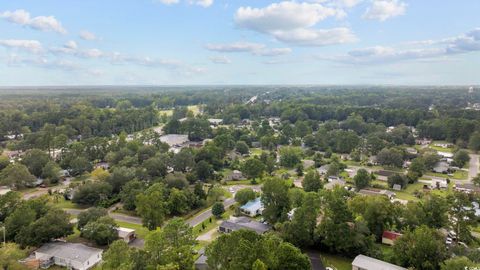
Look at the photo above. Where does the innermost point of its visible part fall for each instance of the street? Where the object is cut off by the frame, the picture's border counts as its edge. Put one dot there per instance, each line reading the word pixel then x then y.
pixel 207 213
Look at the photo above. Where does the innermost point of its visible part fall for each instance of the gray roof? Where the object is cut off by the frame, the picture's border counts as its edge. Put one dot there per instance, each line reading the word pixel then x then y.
pixel 370 263
pixel 69 251
pixel 245 223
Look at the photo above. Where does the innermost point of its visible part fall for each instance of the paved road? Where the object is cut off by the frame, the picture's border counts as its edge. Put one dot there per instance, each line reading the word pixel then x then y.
pixel 117 217
pixel 473 168
pixel 207 213
pixel 42 191
pixel 315 259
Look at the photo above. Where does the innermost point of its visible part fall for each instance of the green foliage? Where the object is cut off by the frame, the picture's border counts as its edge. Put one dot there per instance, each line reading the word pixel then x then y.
pixel 129 193
pixel 290 156
pixel 253 168
pixel 458 263
pixel 152 207
pixel 218 209
pixel 102 231
pixel 275 200
pixel 361 179
pixel 90 215
pixel 35 160
pixel 423 249
pixel 245 195
pixel 92 193
pixel 397 179
pixel 16 175
pixel 461 158
pixel 242 147
pixel 312 182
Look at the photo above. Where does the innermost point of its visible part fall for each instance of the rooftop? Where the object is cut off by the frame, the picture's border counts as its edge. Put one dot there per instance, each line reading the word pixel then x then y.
pixel 245 223
pixel 69 251
pixel 370 263
pixel 253 205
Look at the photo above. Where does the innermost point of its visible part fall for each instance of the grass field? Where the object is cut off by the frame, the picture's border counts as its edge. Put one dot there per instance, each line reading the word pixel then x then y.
pixel 336 262
pixel 139 229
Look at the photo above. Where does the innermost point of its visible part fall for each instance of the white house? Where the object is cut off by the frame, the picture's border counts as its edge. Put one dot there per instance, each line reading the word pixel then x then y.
pixel 363 262
pixel 70 255
pixel 126 234
pixel 253 208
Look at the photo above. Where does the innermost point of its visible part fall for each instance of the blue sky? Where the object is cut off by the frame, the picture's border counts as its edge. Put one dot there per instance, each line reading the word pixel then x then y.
pixel 183 42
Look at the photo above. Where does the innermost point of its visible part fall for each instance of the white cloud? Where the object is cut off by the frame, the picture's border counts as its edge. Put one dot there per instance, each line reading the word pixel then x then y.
pixel 235 47
pixel 429 49
pixel 42 23
pixel 253 48
pixel 87 35
pixel 202 3
pixel 293 22
pixel 33 46
pixel 384 9
pixel 222 59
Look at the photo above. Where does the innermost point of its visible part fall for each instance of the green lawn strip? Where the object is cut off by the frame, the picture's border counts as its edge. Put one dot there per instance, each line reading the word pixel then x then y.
pixel 211 223
pixel 459 175
pixel 336 262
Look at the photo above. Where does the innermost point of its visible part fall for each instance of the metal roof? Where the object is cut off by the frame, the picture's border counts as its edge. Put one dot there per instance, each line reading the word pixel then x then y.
pixel 370 263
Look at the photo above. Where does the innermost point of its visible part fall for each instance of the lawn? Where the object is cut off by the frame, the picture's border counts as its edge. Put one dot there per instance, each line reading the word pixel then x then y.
pixel 211 223
pixel 336 262
pixel 195 109
pixel 256 151
pixel 65 204
pixel 166 112
pixel 459 175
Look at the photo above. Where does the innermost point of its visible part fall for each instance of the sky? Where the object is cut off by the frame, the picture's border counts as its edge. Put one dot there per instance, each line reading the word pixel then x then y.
pixel 219 42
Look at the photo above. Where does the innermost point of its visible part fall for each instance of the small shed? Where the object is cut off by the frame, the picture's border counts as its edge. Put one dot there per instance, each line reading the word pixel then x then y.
pixel 126 234
pixel 389 237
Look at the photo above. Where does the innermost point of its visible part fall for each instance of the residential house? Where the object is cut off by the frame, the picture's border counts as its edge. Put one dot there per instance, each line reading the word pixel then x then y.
pixel 201 261
pixel 215 122
pixel 235 176
pixel 362 262
pixel 438 183
pixel 389 237
pixel 253 208
pixel 334 181
pixel 70 255
pixel 441 167
pixel 235 224
pixel 126 234
pixel 467 188
pixel 323 169
pixel 377 192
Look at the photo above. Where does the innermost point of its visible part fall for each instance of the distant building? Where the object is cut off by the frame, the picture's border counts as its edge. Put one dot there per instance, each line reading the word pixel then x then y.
pixel 323 169
pixel 389 237
pixel 253 208
pixel 201 261
pixel 215 122
pixel 70 255
pixel 126 234
pixel 334 181
pixel 235 176
pixel 439 183
pixel 441 167
pixel 246 223
pixel 377 192
pixel 363 262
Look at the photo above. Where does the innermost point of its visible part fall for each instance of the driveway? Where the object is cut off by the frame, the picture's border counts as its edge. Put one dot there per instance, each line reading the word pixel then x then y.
pixel 117 217
pixel 473 167
pixel 315 259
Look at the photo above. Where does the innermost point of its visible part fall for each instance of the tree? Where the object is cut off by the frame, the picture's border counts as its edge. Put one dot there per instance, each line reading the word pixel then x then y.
pixel 35 160
pixel 290 258
pixel 172 246
pixel 129 193
pixel 476 180
pixel 397 179
pixel 54 224
pixel 118 256
pixel 10 254
pixel 312 182
pixel 178 202
pixel 204 170
pixel 92 193
pixel 157 166
pixel 242 147
pixel 361 179
pixel 4 162
pixel 378 212
pixel 90 215
pixel 183 161
pixel 103 230
pixel 16 175
pixel 435 210
pixel 253 168
pixel 51 171
pixel 100 174
pixel 462 215
pixel 259 265
pixel 458 263
pixel 461 158
pixel 290 156
pixel 8 203
pixel 423 249
pixel 390 157
pixel 176 180
pixel 218 209
pixel 300 230
pixel 474 142
pixel 275 200
pixel 80 165
pixel 245 195
pixel 152 206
